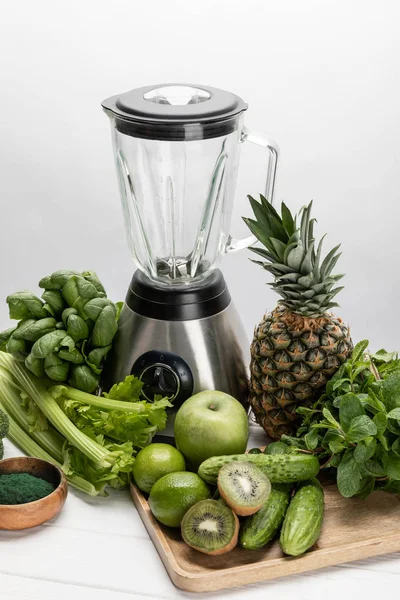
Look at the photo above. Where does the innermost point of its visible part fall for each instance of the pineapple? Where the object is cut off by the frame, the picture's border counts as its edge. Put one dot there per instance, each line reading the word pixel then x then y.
pixel 300 344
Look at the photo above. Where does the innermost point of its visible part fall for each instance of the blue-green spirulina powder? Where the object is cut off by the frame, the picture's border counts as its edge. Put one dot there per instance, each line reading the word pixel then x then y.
pixel 20 488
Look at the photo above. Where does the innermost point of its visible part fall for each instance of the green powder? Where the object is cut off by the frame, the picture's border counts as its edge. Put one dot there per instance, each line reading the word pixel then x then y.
pixel 19 488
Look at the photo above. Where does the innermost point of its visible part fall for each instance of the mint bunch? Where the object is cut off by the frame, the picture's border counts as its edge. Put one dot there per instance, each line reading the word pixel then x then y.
pixel 354 427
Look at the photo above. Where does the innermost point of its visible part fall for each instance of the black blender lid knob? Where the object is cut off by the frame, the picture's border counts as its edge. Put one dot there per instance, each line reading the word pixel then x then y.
pixel 164 374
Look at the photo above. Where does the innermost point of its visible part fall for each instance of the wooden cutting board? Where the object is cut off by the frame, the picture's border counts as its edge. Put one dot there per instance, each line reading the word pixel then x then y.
pixel 353 529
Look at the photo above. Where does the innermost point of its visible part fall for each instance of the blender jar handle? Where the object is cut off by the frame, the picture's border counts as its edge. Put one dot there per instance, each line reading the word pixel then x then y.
pixel 273 153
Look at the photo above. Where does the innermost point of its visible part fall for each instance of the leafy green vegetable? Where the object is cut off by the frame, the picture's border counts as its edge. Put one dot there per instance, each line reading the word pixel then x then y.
pixel 92 277
pixel 72 326
pixel 360 428
pixel 93 438
pixel 57 280
pixel 105 327
pixel 276 448
pixel 4 337
pixel 54 302
pixel 354 426
pixel 350 407
pixel 83 378
pixel 348 475
pixel 391 391
pixel 35 365
pixel 24 305
pixel 18 348
pixel 124 391
pixel 77 328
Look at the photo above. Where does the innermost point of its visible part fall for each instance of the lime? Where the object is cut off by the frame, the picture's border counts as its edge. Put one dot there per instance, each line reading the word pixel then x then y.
pixel 155 461
pixel 172 496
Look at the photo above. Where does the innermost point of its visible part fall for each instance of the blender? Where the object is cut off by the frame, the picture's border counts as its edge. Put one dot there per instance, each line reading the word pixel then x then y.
pixel 176 149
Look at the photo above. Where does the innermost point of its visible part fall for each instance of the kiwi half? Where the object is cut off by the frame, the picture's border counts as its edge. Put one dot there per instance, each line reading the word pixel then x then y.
pixel 210 527
pixel 243 487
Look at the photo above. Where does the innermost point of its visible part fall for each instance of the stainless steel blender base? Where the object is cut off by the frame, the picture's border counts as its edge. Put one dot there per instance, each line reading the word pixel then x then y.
pixel 216 349
pixel 180 340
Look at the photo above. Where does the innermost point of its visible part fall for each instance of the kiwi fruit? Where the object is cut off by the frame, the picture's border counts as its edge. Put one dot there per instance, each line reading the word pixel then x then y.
pixel 243 487
pixel 210 527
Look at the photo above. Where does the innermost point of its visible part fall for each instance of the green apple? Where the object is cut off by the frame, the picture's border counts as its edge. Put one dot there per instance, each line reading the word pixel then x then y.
pixel 208 424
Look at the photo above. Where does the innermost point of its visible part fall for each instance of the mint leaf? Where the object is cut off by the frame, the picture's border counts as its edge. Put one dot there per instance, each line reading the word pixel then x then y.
pixel 381 454
pixel 394 414
pixel 337 384
pixel 360 428
pixel 380 421
pixel 366 487
pixel 330 418
pixel 382 439
pixel 360 369
pixel 391 391
pixel 348 475
pixel 350 407
pixel 393 426
pixel 359 350
pixel 333 440
pixel 292 441
pixel 276 448
pixel 372 401
pixel 337 401
pixel 304 410
pixel 311 439
pixel 332 381
pixel 336 447
pixel 383 356
pixel 364 452
pixel 393 466
pixel 334 461
pixel 393 487
pixel 371 467
pixel 396 447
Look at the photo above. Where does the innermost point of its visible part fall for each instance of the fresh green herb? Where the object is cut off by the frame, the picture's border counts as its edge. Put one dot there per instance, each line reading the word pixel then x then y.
pixel 354 427
pixel 67 334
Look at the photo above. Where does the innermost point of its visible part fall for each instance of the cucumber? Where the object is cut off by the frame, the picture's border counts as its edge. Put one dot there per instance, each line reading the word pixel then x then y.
pixel 303 520
pixel 261 528
pixel 279 468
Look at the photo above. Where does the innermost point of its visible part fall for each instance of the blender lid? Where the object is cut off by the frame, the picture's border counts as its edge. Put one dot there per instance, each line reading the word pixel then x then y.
pixel 175 112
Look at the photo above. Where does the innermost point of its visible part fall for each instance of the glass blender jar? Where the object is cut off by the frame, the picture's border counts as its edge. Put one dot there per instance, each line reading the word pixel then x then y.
pixel 176 150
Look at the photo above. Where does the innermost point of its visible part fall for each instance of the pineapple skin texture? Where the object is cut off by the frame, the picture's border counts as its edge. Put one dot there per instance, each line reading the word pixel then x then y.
pixel 292 358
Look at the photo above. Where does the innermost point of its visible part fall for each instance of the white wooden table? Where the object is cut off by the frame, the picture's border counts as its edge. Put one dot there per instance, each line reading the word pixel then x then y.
pixel 98 549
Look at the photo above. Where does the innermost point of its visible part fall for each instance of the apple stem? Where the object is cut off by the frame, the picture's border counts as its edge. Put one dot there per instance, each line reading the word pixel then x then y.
pixel 212 407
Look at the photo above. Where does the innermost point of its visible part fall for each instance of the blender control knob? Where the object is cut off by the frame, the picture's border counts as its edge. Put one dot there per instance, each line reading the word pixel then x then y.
pixel 159 379
pixel 164 374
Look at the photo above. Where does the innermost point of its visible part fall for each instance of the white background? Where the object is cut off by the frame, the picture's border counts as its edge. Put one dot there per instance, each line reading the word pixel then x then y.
pixel 320 77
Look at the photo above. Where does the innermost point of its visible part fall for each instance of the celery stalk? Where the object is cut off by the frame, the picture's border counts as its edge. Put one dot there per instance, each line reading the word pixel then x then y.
pixel 32 386
pixel 21 439
pixel 49 440
pixel 106 403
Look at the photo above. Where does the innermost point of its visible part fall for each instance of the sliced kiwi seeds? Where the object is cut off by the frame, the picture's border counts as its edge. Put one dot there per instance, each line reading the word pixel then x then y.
pixel 209 526
pixel 243 487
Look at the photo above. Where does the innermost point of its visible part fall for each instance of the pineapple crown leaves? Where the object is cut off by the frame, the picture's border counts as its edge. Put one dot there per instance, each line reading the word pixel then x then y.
pixel 302 277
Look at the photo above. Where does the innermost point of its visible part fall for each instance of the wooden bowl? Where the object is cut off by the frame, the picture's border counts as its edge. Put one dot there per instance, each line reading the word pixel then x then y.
pixel 23 516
